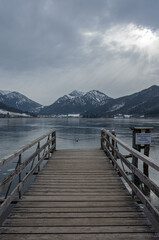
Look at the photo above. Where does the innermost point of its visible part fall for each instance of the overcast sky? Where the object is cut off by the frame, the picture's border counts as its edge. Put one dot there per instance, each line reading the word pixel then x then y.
pixel 48 48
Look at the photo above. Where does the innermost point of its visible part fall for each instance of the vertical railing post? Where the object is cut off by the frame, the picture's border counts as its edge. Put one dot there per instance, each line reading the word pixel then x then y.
pixel 53 135
pixel 19 163
pixel 135 159
pixel 108 141
pixel 102 139
pixel 141 140
pixel 48 147
pixel 38 147
pixel 113 145
pixel 146 152
pixel 55 139
pixel 113 142
pixel 145 166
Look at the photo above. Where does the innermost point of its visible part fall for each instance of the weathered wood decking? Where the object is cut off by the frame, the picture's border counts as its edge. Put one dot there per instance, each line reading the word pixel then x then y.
pixel 77 195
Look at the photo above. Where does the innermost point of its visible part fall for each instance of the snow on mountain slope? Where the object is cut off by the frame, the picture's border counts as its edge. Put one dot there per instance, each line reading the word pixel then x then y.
pixel 76 102
pixel 4 92
pixel 96 97
pixel 18 101
pixel 13 114
pixel 76 93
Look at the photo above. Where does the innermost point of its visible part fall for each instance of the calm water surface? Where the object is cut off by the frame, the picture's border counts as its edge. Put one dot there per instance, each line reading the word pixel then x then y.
pixel 15 133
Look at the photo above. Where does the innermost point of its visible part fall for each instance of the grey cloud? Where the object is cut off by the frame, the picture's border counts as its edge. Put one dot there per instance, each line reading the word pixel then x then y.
pixel 47 33
pixel 37 37
pixel 32 37
pixel 142 12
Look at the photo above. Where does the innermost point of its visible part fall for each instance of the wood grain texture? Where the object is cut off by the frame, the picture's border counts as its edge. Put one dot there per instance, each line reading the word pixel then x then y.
pixel 77 196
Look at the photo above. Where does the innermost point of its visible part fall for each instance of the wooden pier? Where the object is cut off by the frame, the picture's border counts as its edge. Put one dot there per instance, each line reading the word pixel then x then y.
pixel 77 195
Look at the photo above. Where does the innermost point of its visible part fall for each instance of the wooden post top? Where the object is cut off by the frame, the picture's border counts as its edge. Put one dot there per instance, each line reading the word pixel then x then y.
pixel 141 128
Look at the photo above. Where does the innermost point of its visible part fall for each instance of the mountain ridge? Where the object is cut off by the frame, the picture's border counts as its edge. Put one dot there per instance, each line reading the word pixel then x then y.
pixel 18 101
pixel 76 102
pixel 92 103
pixel 96 103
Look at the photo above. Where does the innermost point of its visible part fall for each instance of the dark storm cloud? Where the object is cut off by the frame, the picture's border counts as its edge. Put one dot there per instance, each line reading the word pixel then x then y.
pixel 142 12
pixel 78 42
pixel 33 33
pixel 38 33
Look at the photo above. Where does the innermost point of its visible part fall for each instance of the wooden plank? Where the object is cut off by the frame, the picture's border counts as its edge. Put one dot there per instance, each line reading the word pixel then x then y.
pixel 91 236
pixel 63 210
pixel 80 182
pixel 77 187
pixel 79 167
pixel 99 187
pixel 48 222
pixel 78 176
pixel 82 157
pixel 77 229
pixel 40 215
pixel 77 179
pixel 37 204
pixel 77 199
pixel 52 193
pixel 53 186
pixel 77 172
pixel 63 195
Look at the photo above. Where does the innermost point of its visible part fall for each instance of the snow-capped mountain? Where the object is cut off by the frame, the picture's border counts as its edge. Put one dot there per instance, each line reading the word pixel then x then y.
pixel 18 101
pixel 4 92
pixel 76 93
pixel 95 103
pixel 95 98
pixel 6 108
pixel 145 102
pixel 76 102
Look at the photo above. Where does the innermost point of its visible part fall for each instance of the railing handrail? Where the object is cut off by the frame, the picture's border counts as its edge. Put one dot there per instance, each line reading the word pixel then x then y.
pixel 109 145
pixel 8 158
pixel 47 149
pixel 112 151
pixel 134 152
pixel 19 169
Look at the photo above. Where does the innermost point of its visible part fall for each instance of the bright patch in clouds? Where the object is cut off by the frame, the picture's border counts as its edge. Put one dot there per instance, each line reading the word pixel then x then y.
pixel 129 37
pixel 107 45
pixel 124 38
pixel 124 56
pixel 90 34
pixel 145 37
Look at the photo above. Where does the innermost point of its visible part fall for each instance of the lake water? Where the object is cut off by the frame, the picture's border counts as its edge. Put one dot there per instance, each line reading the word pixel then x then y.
pixel 72 133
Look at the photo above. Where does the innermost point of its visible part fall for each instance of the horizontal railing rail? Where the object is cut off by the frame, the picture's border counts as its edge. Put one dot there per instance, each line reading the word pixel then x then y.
pixel 23 149
pixel 111 145
pixel 44 147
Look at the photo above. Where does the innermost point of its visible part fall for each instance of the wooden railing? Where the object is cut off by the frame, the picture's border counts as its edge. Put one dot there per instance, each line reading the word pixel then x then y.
pixel 113 148
pixel 41 149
